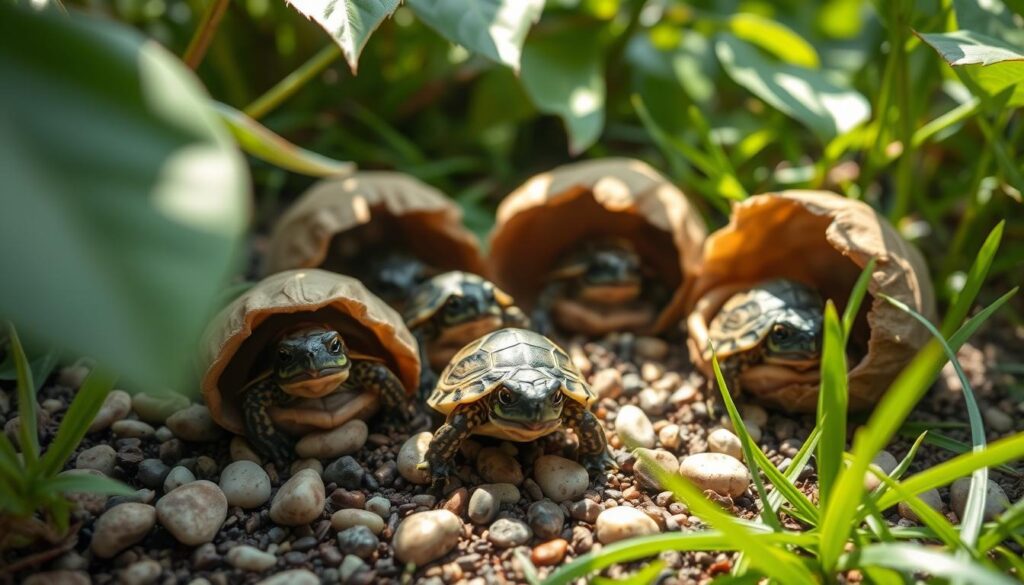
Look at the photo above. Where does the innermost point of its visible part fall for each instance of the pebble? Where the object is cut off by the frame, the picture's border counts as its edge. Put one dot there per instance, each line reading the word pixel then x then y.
pixel 245 484
pixel 669 436
pixel 163 434
pixel 411 455
pixel 720 473
pixel 546 519
pixel 140 573
pixel 102 458
pixel 585 510
pixel 344 440
pixel 115 407
pixel 152 473
pixel 194 512
pixel 89 502
pixel 350 517
pixel 155 408
pixel 653 401
pixel 754 413
pixel 58 578
pixel 726 442
pixel 426 536
pixel 930 497
pixel 72 376
pixel 620 522
pixel 634 428
pixel 496 466
pixel 651 348
pixel 348 499
pixel 345 472
pixel 310 463
pixel 379 505
pixel 483 506
pixel 358 540
pixel 644 471
pixel 195 424
pixel 300 500
pixel 995 498
pixel 884 460
pixel 998 420
pixel 508 533
pixel 457 502
pixel 241 451
pixel 178 477
pixel 120 527
pixel 350 566
pixel 292 577
pixel 132 429
pixel 559 478
pixel 250 558
pixel 550 553
pixel 607 383
pixel 684 394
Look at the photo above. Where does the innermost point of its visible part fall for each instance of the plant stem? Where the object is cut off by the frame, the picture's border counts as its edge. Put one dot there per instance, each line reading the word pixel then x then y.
pixel 287 87
pixel 203 35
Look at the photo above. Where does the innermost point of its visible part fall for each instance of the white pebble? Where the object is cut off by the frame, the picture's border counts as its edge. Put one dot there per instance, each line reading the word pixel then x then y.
pixel 344 440
pixel 559 478
pixel 120 527
pixel 995 499
pixel 300 500
pixel 178 477
pixel 245 484
pixel 724 441
pixel 115 407
pixel 621 522
pixel 717 472
pixel 349 517
pixel 426 536
pixel 132 429
pixel 292 577
pixel 241 451
pixel 249 558
pixel 102 458
pixel 644 471
pixel 194 512
pixel 194 423
pixel 886 462
pixel 411 455
pixel 634 428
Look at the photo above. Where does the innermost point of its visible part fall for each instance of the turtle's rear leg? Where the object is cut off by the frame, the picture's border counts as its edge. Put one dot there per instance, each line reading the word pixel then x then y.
pixel 449 437
pixel 377 378
pixel 264 437
pixel 593 444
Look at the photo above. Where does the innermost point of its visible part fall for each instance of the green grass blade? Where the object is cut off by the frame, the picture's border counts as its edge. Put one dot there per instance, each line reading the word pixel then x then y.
pixel 833 400
pixel 904 463
pixel 80 414
pixel 1007 523
pixel 967 330
pixel 953 446
pixel 527 567
pixel 979 270
pixel 911 558
pixel 28 433
pixel 1012 560
pixel 11 468
pixel 646 575
pixel 803 455
pixel 83 483
pixel 853 304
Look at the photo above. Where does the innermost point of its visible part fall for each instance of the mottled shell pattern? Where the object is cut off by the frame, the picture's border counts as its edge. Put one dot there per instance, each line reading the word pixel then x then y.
pixel 481 367
pixel 744 321
pixel 430 299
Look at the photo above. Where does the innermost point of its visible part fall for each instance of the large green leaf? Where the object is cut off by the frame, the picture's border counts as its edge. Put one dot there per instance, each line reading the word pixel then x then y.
pixel 562 73
pixel 124 198
pixel 993 65
pixel 805 95
pixel 349 22
pixel 774 37
pixel 495 29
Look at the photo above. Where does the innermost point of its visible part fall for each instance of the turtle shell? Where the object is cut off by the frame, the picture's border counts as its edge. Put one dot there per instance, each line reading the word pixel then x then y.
pixel 550 214
pixel 234 346
pixel 823 240
pixel 430 296
pixel 370 205
pixel 745 319
pixel 480 368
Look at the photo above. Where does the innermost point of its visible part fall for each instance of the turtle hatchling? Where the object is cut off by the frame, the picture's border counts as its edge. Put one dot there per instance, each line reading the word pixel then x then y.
pixel 512 384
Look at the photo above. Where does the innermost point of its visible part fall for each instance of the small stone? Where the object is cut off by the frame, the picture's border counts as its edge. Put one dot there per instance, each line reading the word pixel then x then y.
pixel 58 578
pixel 457 502
pixel 644 471
pixel 995 499
pixel 206 467
pixel 300 500
pixel 120 527
pixel 72 376
pixel 585 510
pixel 140 573
pixel 249 558
pixel 163 434
pixel 686 393
pixel 621 522
pixel 133 429
pixel 245 484
pixel 550 553
pixel 720 473
pixel 997 420
pixel 426 536
pixel 194 423
pixel 345 472
pixel 194 512
pixel 653 402
pixel 669 436
pixel 102 458
pixel 886 462
pixel 607 383
pixel 379 505
pixel 350 517
pixel 634 428
pixel 508 533
pixel 650 371
pixel 206 557
pixel 754 413
pixel 310 463
pixel 89 502
pixel 724 441
pixel 496 466
pixel 348 499
pixel 483 507
pixel 651 348
pixel 52 405
pixel 344 440
pixel 115 407
pixel 425 500
pixel 350 566
pixel 292 577
pixel 559 478
pixel 358 540
pixel 930 497
pixel 152 473
pixel 155 408
pixel 178 477
pixel 546 519
pixel 412 454
pixel 241 451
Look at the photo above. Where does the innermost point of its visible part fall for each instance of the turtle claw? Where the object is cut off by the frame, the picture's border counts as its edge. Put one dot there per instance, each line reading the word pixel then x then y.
pixel 598 463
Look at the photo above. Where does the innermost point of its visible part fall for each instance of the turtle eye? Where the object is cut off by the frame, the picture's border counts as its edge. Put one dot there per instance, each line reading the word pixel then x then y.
pixel 780 333
pixel 506 397
pixel 284 356
pixel 557 398
pixel 335 345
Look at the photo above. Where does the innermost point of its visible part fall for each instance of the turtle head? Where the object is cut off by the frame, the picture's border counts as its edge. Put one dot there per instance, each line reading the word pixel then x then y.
pixel 528 406
pixel 472 299
pixel 608 271
pixel 794 338
pixel 311 361
pixel 393 275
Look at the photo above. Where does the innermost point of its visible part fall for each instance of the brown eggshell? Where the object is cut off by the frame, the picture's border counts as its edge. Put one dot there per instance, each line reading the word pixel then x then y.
pixel 554 211
pixel 398 204
pixel 824 240
pixel 234 345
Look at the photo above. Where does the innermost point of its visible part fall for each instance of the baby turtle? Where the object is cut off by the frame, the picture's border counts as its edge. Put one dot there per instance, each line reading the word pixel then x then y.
pixel 776 322
pixel 512 384
pixel 450 310
pixel 310 361
pixel 393 275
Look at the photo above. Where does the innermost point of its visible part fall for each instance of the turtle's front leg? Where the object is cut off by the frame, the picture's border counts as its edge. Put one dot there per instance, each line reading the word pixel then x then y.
pixel 377 378
pixel 593 444
pixel 449 437
pixel 428 378
pixel 264 437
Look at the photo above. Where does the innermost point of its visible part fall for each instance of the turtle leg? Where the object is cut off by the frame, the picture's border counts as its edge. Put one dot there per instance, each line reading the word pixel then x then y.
pixel 428 378
pixel 448 438
pixel 264 437
pixel 593 444
pixel 377 378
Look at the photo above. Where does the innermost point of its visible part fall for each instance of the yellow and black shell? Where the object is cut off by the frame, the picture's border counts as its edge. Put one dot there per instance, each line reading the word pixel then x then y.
pixel 430 296
pixel 507 354
pixel 744 321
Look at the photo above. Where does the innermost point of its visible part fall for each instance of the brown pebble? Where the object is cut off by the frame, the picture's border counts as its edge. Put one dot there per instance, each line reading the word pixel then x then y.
pixel 348 499
pixel 549 553
pixel 457 502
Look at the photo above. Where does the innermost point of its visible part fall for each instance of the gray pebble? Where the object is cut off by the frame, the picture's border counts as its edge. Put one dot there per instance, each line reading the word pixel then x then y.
pixel 507 533
pixel 152 473
pixel 358 540
pixel 345 472
pixel 546 519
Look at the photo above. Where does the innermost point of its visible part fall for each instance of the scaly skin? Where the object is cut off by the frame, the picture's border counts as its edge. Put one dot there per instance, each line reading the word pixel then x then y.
pixel 593 444
pixel 449 438
pixel 377 378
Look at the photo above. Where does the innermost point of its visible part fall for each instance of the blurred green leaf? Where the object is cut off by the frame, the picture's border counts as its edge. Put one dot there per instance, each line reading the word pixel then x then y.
pixel 568 82
pixel 259 141
pixel 349 22
pixel 807 96
pixel 28 432
pixel 833 399
pixel 495 29
pixel 82 483
pixel 84 408
pixel 913 558
pixel 992 64
pixel 776 38
pixel 125 199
